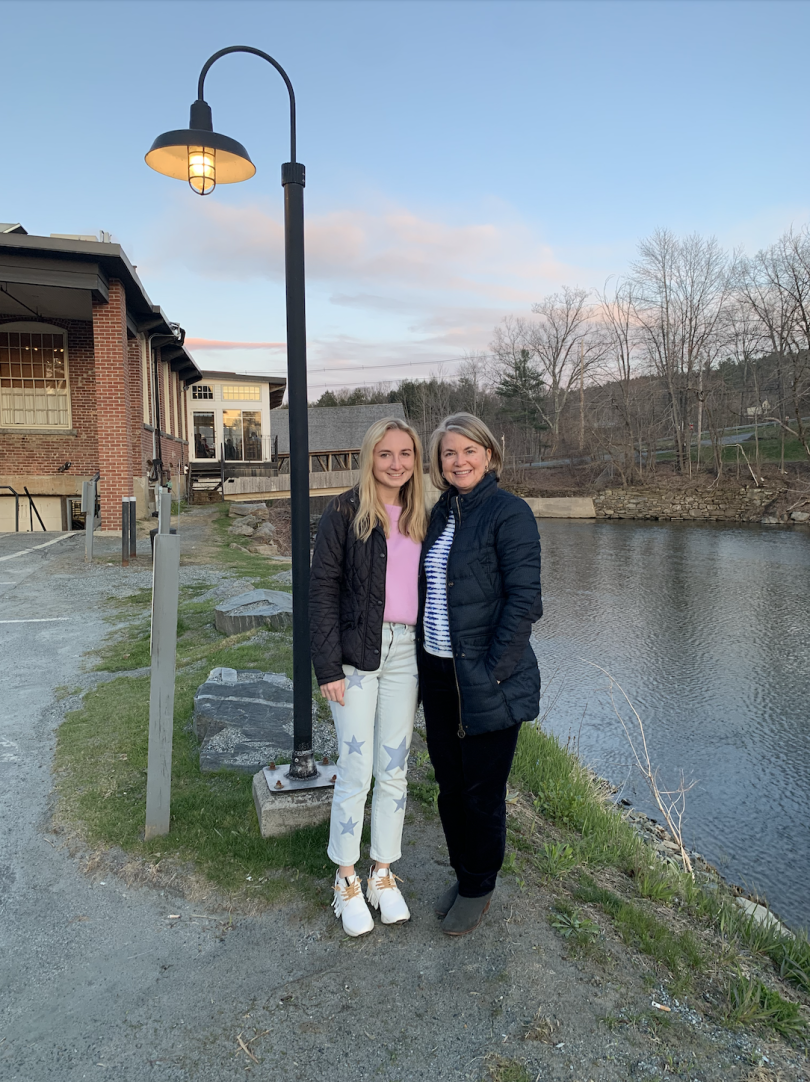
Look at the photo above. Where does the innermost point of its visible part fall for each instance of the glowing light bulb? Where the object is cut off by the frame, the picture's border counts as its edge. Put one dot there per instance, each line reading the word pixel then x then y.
pixel 202 169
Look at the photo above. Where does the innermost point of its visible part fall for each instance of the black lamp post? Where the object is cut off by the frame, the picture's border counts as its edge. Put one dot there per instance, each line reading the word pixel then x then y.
pixel 205 158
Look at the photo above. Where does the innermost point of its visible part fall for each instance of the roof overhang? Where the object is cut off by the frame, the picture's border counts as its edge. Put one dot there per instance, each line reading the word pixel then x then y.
pixel 50 276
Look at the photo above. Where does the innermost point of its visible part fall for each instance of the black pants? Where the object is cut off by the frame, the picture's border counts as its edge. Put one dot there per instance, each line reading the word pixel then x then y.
pixel 472 774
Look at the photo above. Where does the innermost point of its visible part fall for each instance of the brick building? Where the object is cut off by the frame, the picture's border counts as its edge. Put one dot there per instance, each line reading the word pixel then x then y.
pixel 93 378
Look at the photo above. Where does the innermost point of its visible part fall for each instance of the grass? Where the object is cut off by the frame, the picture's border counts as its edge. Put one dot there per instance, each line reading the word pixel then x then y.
pixel 102 748
pixel 594 836
pixel 752 1004
pixel 501 1069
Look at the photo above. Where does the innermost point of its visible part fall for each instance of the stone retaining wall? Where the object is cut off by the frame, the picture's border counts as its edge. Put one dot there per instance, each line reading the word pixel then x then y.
pixel 736 504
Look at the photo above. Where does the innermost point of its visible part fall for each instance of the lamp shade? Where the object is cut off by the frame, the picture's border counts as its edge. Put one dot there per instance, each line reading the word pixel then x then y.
pixel 169 154
pixel 199 155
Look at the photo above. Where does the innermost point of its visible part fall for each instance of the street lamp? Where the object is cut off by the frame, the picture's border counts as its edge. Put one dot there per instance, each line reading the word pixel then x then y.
pixel 205 158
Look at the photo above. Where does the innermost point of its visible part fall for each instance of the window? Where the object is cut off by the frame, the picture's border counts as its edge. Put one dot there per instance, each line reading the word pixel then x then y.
pixel 205 442
pixel 33 377
pixel 242 432
pixel 242 394
pixel 201 390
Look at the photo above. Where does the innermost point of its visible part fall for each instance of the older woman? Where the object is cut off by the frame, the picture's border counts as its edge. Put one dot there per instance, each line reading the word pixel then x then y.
pixel 479 594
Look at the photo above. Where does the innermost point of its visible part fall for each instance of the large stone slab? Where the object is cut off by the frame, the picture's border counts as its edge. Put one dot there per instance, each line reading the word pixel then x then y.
pixel 243 718
pixel 256 608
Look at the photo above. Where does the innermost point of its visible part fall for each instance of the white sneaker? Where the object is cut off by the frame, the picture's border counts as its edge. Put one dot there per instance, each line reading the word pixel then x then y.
pixel 350 906
pixel 385 895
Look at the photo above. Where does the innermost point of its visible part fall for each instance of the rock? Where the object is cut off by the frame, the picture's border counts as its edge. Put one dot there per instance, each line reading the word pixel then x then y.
pixel 280 813
pixel 242 529
pixel 244 719
pixel 762 915
pixel 265 530
pixel 769 520
pixel 799 516
pixel 284 577
pixel 256 608
pixel 258 510
pixel 263 550
pixel 233 545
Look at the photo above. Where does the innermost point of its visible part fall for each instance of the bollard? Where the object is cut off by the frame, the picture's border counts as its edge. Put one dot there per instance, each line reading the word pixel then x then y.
pixel 125 531
pixel 133 527
pixel 164 511
pixel 165 588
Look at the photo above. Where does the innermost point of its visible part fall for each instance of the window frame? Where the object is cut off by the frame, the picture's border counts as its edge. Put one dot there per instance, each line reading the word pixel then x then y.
pixel 39 327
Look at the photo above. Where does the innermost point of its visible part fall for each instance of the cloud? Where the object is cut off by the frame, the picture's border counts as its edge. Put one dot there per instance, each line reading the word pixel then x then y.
pixel 392 293
pixel 387 248
pixel 214 344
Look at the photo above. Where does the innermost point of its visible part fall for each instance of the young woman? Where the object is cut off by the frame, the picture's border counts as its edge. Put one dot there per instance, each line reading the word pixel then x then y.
pixel 479 596
pixel 363 609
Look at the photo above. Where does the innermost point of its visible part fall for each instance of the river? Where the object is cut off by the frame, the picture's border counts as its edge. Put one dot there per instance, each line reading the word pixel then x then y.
pixel 707 628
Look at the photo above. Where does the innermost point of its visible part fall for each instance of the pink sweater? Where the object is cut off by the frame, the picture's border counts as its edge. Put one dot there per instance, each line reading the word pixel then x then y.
pixel 401 596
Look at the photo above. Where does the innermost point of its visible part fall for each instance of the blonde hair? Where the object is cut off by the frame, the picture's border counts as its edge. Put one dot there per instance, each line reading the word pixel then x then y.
pixel 473 429
pixel 371 513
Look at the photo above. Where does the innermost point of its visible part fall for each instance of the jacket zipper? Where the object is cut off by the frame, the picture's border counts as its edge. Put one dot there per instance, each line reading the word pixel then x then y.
pixel 461 733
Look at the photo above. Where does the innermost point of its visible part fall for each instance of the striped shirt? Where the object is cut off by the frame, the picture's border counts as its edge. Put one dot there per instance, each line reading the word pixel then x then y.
pixel 437 626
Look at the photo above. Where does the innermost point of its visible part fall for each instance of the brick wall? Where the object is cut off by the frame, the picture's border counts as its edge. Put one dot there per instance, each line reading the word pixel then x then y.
pixel 114 404
pixel 108 433
pixel 39 454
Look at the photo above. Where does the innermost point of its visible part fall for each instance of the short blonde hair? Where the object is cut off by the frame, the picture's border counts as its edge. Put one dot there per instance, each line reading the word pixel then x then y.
pixel 474 429
pixel 371 513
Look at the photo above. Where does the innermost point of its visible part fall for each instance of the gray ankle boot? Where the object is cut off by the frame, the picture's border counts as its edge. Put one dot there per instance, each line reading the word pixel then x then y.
pixel 466 914
pixel 445 903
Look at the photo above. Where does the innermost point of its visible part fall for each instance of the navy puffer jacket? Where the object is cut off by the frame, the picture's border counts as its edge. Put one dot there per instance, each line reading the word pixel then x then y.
pixel 493 598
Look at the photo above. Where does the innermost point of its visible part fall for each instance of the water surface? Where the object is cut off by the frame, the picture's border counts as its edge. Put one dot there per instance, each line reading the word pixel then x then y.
pixel 707 628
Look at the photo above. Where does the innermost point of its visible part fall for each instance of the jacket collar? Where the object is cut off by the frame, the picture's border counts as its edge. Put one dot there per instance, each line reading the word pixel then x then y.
pixel 483 490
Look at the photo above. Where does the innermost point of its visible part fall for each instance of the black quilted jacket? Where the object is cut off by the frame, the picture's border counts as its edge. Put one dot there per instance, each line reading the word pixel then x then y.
pixel 346 593
pixel 493 598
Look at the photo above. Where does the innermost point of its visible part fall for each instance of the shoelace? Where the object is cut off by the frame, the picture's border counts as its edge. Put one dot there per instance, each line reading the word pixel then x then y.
pixel 348 890
pixel 386 882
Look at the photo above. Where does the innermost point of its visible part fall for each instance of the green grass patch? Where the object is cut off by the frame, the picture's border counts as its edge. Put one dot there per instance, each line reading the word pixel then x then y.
pixel 679 952
pixel 101 761
pixel 568 796
pixel 752 1004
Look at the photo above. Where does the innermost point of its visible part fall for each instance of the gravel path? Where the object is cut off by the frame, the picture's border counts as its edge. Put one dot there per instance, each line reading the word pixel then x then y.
pixel 102 981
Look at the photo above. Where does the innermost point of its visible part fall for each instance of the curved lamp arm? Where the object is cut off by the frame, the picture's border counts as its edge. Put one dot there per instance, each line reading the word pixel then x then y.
pixel 270 60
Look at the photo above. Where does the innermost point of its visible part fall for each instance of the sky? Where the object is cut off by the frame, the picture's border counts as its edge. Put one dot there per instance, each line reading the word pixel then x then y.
pixel 465 158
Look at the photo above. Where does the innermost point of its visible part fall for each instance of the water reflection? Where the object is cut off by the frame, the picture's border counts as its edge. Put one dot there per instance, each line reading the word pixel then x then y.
pixel 707 629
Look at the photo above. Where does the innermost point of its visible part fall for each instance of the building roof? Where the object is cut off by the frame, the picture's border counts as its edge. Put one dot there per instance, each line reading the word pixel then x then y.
pixel 333 428
pixel 244 377
pixel 61 277
pixel 278 384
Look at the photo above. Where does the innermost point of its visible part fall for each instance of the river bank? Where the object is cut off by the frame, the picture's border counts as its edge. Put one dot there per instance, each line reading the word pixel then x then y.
pixel 773 498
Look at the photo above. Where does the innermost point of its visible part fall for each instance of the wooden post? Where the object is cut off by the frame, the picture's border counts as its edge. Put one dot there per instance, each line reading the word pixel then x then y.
pixel 165 588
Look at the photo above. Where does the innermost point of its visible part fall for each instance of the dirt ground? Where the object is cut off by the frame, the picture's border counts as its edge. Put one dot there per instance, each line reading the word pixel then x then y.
pixel 103 978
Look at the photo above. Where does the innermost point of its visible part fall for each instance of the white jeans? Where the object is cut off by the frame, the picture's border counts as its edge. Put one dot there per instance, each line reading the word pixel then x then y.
pixel 374 731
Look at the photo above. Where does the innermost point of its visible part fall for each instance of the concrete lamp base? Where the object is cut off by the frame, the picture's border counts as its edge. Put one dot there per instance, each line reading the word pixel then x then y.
pixel 283 805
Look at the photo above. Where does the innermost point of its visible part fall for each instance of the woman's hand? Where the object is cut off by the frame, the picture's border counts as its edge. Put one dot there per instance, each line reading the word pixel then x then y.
pixel 334 691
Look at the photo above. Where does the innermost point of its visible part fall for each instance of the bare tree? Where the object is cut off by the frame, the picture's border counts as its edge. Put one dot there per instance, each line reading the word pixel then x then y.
pixel 682 287
pixel 550 345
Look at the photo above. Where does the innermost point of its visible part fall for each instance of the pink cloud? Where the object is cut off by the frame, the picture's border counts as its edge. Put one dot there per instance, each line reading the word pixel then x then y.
pixel 386 248
pixel 211 343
